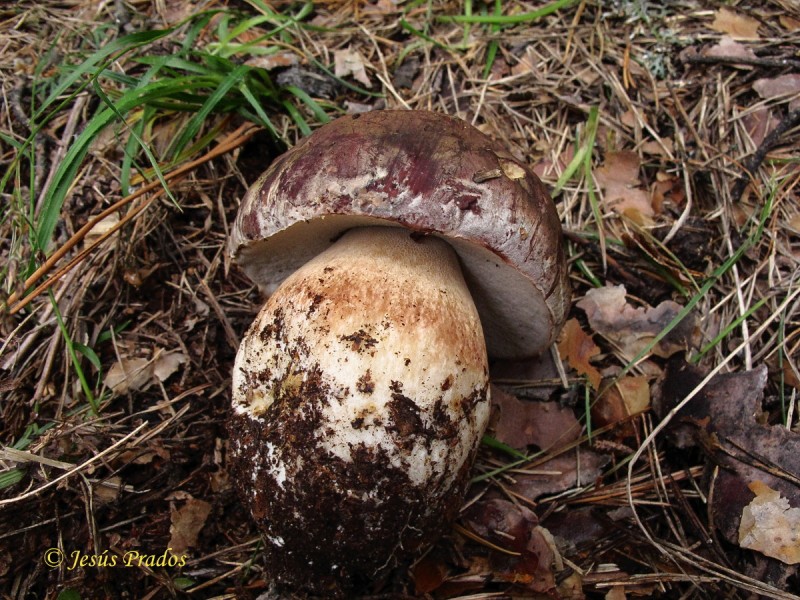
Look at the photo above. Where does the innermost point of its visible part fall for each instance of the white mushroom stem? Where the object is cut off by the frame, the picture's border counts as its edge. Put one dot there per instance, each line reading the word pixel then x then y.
pixel 379 338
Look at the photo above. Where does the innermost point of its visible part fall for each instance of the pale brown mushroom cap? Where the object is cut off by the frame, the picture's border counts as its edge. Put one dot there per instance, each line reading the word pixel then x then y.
pixel 430 173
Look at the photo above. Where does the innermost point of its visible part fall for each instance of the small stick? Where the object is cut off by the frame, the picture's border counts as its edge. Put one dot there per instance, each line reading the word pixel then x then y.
pixel 775 63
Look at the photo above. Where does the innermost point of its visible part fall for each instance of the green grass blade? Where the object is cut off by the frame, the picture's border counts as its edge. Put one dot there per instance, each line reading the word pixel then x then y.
pixel 259 110
pixel 196 122
pixel 145 148
pixel 494 45
pixel 510 19
pixel 74 357
pixel 179 63
pixel 424 36
pixel 296 117
pixel 580 157
pixel 726 331
pixel 11 477
pixel 312 104
pixel 496 444
pixel 67 170
pixel 90 354
pixel 118 46
pixel 707 285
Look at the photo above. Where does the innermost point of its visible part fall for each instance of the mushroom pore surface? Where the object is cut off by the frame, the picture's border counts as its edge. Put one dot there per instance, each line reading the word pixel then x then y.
pixel 360 394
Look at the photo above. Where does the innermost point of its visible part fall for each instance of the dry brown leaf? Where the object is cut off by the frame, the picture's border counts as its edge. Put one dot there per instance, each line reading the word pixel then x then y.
pixel 525 423
pixel 724 419
pixel 527 62
pixel 107 490
pixel 349 62
pixel 738 26
pixel 101 228
pixel 616 593
pixel 628 118
pixel 776 87
pixel 628 396
pixel 667 188
pixel 580 525
pixel 516 529
pixel 186 524
pixel 770 526
pixel 429 573
pixel 635 392
pixel 167 363
pixel 618 177
pixel 622 167
pixel 794 223
pixel 758 123
pixel 129 374
pixel 578 348
pixel 145 456
pixel 727 47
pixel 546 168
pixel 789 23
pixel 273 61
pixel 632 329
pixel 662 148
pixel 135 374
pixel 561 473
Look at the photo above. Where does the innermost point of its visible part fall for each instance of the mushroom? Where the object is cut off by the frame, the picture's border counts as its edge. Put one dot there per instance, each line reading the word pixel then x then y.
pixel 400 250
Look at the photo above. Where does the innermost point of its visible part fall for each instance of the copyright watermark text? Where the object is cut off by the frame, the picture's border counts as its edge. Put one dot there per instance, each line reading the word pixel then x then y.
pixel 55 557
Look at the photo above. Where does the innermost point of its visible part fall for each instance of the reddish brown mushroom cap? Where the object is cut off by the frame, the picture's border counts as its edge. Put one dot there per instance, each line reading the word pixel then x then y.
pixel 430 173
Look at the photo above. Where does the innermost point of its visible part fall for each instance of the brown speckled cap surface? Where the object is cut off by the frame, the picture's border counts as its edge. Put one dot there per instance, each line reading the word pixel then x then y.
pixel 431 173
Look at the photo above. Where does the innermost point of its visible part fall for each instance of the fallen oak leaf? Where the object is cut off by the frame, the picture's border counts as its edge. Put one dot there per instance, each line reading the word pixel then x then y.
pixel 578 348
pixel 737 26
pixel 723 420
pixel 529 555
pixel 186 524
pixel 770 526
pixel 349 62
pixel 633 329
pixel 618 177
pixel 525 423
pixel 729 48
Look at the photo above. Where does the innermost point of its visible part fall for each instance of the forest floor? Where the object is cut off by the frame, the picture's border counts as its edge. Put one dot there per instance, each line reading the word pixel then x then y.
pixel 654 452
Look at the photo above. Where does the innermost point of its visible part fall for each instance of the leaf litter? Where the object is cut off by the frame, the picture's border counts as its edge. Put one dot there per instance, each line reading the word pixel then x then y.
pixel 690 97
pixel 752 467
